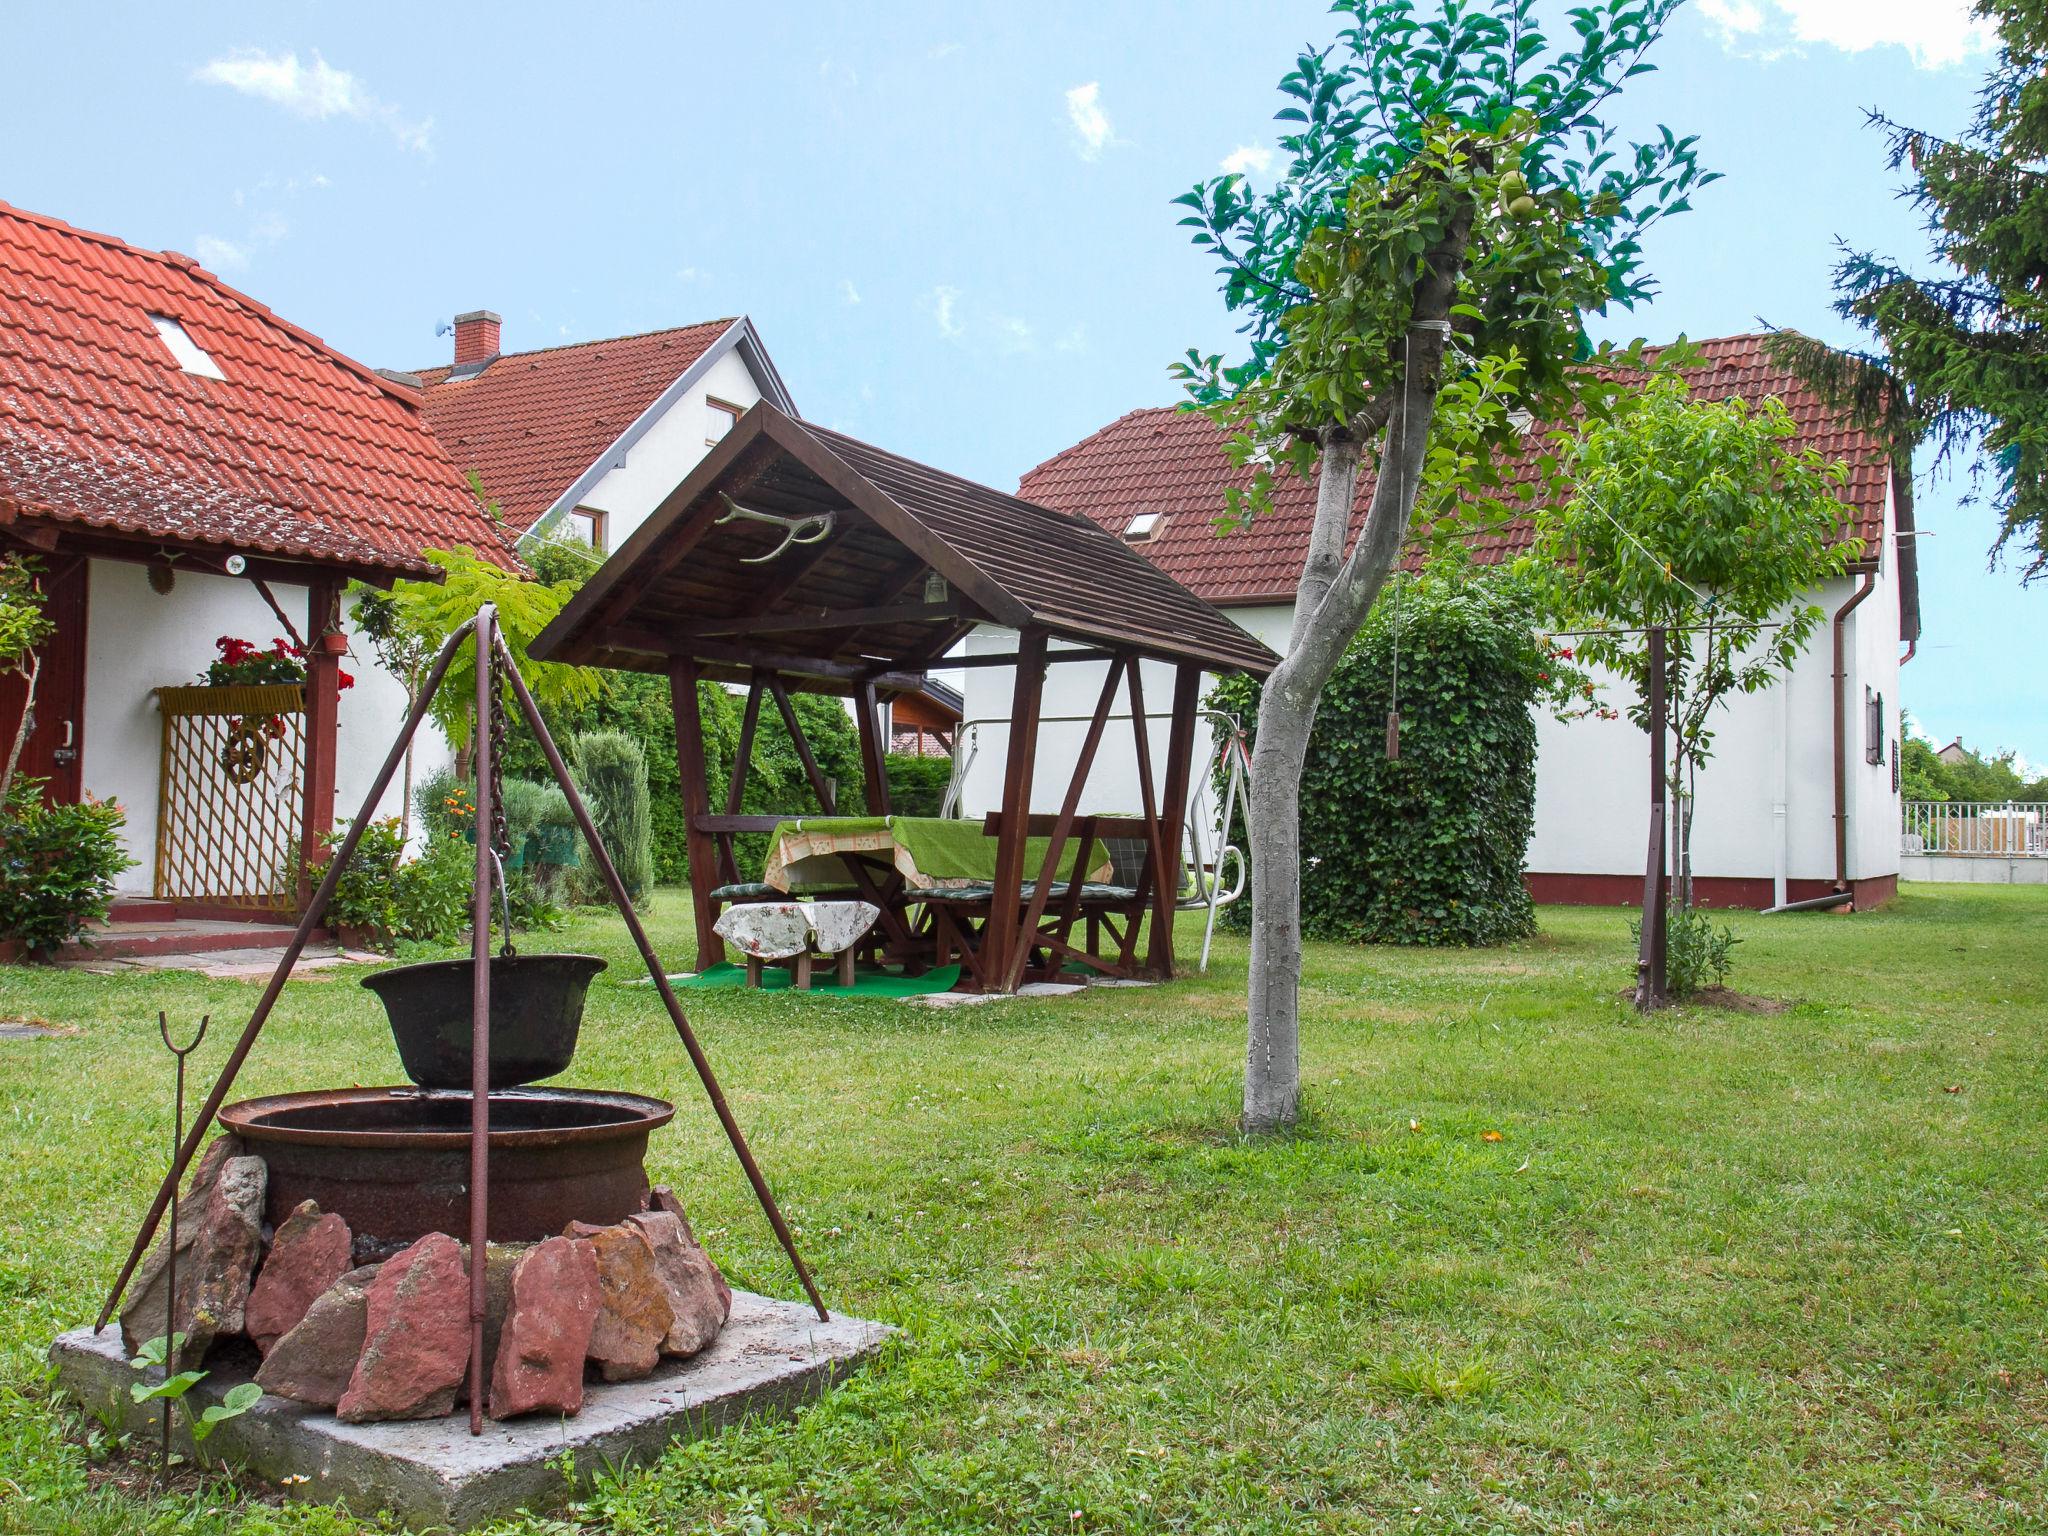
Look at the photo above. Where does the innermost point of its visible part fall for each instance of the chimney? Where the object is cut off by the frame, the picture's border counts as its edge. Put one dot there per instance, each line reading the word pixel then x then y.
pixel 476 336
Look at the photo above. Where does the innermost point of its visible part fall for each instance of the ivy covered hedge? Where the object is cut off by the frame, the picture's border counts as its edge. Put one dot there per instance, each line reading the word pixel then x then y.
pixel 1427 848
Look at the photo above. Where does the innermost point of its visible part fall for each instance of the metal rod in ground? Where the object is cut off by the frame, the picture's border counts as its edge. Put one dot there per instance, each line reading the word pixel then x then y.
pixel 163 1028
pixel 480 1014
pixel 315 909
pixel 659 974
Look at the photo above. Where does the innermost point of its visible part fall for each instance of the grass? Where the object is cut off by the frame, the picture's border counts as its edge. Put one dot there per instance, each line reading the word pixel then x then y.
pixel 1720 1272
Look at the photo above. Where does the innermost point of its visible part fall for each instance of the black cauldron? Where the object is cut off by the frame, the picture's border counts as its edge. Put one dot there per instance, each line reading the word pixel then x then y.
pixel 536 1009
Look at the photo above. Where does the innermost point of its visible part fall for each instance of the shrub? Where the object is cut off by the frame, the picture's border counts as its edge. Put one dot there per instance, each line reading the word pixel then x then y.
pixel 1696 955
pixel 430 896
pixel 1426 848
pixel 446 806
pixel 57 865
pixel 363 894
pixel 917 785
pixel 611 772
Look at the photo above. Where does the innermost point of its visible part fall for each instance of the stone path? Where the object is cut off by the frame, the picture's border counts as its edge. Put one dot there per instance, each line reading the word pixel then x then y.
pixel 226 964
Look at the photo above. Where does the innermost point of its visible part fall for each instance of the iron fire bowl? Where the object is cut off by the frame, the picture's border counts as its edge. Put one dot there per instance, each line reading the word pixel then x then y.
pixel 394 1162
pixel 536 1010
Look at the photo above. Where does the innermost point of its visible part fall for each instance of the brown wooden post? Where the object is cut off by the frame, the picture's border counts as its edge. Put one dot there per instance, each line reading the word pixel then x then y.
pixel 1162 893
pixel 1180 753
pixel 874 764
pixel 1000 932
pixel 325 643
pixel 736 785
pixel 701 850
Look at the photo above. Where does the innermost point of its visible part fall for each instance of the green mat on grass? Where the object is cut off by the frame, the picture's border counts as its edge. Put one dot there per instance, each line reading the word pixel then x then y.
pixel 865 983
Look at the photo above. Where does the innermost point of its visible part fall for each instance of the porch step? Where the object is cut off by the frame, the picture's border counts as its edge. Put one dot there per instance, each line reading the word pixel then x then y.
pixel 126 938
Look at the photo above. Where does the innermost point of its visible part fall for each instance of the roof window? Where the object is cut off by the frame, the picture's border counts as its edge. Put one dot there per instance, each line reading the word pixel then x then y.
pixel 1142 527
pixel 185 352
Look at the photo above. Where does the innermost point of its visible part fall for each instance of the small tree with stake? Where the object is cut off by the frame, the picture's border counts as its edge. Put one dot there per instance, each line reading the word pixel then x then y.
pixel 1700 517
pixel 1454 203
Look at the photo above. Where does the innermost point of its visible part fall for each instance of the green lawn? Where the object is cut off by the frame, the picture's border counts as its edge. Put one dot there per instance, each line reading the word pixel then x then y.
pixel 1721 1272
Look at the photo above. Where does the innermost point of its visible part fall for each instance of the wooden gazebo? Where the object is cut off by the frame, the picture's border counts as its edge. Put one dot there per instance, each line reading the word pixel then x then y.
pixel 795 558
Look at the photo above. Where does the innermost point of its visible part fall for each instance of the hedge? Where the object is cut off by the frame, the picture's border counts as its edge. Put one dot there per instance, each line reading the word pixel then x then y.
pixel 1427 848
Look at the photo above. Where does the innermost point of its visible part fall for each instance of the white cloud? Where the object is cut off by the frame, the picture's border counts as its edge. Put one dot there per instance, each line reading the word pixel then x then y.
pixel 1013 334
pixel 1090 122
pixel 1936 33
pixel 848 292
pixel 692 275
pixel 1256 159
pixel 943 304
pixel 1074 340
pixel 315 90
pixel 220 255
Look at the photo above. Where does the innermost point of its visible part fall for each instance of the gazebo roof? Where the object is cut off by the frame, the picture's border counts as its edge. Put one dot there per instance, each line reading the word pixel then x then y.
pixel 851 607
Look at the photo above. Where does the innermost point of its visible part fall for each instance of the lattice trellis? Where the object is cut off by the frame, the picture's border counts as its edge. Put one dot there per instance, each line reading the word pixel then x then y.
pixel 230 804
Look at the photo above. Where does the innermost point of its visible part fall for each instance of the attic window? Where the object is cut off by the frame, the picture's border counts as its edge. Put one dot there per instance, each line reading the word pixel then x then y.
pixel 719 417
pixel 185 352
pixel 1142 527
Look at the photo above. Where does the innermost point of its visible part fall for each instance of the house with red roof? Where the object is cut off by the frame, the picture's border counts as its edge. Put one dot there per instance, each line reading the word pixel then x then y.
pixel 199 479
pixel 1801 800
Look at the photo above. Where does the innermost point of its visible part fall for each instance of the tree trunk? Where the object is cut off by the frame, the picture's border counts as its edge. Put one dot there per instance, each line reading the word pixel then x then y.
pixel 22 732
pixel 1272 1069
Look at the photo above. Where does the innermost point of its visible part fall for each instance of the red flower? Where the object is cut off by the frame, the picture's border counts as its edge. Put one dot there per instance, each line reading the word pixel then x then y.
pixel 347 679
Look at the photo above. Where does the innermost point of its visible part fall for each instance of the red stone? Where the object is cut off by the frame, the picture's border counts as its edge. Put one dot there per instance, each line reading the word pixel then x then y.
pixel 313 1363
pixel 663 1198
pixel 633 1314
pixel 220 1235
pixel 309 1253
pixel 699 1299
pixel 416 1336
pixel 555 1297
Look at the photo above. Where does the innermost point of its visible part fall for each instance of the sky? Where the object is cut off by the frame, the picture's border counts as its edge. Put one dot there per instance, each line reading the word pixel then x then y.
pixel 950 222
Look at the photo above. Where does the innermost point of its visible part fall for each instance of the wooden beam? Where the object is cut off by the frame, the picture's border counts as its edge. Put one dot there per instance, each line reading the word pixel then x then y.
pixel 1162 892
pixel 823 618
pixel 819 786
pixel 874 765
pixel 1180 754
pixel 1011 658
pixel 736 785
pixel 325 645
pixel 1027 927
pixel 692 771
pixel 999 933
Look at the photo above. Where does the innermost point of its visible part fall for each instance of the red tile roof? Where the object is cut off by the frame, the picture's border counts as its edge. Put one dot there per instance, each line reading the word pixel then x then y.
pixel 532 422
pixel 297 452
pixel 1173 462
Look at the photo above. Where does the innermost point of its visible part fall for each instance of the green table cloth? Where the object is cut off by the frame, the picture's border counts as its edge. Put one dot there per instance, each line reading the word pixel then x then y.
pixel 930 852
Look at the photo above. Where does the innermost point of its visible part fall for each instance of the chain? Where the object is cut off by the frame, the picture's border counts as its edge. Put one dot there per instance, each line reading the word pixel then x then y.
pixel 500 839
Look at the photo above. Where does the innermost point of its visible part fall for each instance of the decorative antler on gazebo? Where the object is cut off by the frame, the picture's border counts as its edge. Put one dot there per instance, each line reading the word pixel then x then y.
pixel 808 528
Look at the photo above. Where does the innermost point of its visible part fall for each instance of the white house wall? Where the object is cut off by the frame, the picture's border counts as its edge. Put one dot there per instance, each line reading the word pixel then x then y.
pixel 138 641
pixel 1774 749
pixel 670 448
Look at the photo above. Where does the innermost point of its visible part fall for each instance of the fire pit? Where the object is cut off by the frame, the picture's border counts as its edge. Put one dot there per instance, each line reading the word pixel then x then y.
pixel 394 1162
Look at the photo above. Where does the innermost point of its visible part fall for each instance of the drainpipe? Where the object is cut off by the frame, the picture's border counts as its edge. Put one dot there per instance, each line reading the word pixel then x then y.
pixel 1781 819
pixel 1842 732
pixel 1911 647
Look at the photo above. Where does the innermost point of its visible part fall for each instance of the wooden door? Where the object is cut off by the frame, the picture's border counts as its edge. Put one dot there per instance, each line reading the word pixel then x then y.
pixel 55 749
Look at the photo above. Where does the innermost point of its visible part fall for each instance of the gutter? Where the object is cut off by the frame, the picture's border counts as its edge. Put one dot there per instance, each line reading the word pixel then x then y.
pixel 1841 680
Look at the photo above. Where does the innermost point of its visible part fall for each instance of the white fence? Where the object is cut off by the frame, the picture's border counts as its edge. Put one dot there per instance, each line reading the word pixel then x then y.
pixel 2009 829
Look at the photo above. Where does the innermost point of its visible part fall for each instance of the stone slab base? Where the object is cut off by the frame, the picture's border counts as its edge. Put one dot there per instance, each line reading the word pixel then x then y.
pixel 771 1356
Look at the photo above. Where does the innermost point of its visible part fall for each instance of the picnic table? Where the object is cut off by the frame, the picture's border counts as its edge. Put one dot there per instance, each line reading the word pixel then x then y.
pixel 927 853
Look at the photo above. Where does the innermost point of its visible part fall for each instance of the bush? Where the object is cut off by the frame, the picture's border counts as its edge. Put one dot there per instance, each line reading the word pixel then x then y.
pixel 445 805
pixel 426 900
pixel 611 772
pixel 1426 848
pixel 363 893
pixel 57 865
pixel 1696 955
pixel 917 785
pixel 430 896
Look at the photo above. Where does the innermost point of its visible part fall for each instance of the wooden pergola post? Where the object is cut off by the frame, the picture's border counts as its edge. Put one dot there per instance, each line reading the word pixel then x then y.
pixel 1180 753
pixel 1001 935
pixel 1154 881
pixel 698 844
pixel 324 645
pixel 874 765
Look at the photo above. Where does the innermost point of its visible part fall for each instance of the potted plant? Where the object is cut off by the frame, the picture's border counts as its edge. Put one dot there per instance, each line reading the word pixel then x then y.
pixel 241 664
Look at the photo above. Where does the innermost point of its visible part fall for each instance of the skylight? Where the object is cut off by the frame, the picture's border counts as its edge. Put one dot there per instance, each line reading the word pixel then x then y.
pixel 1143 526
pixel 185 352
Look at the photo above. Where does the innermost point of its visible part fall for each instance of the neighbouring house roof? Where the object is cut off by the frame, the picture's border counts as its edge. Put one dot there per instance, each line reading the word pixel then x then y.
pixel 695 581
pixel 535 425
pixel 1172 462
pixel 293 451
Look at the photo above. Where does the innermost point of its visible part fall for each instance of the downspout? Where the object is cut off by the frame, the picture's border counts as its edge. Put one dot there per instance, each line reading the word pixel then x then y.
pixel 1842 732
pixel 1781 810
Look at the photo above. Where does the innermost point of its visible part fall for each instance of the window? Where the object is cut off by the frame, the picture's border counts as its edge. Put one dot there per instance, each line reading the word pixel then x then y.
pixel 586 526
pixel 1142 527
pixel 185 352
pixel 719 417
pixel 1873 727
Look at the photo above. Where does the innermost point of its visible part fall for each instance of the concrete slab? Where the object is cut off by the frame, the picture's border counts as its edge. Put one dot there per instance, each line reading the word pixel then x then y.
pixel 772 1356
